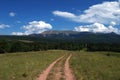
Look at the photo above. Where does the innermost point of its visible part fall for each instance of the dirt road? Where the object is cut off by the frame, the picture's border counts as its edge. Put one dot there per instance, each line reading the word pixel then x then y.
pixel 68 71
pixel 59 69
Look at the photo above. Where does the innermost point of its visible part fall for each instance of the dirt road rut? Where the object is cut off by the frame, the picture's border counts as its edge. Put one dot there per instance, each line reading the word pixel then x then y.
pixel 58 70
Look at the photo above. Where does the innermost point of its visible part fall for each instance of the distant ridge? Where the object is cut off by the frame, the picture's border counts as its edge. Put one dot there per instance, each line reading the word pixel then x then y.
pixel 53 35
pixel 69 33
pixel 87 37
pixel 59 32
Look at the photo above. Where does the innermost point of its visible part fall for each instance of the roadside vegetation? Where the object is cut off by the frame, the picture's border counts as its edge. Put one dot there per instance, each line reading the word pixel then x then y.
pixel 96 65
pixel 27 65
pixel 85 65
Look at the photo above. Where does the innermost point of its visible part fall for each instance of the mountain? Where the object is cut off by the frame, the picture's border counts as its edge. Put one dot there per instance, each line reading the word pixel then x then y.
pixel 54 33
pixel 74 36
pixel 79 36
pixel 63 40
pixel 59 32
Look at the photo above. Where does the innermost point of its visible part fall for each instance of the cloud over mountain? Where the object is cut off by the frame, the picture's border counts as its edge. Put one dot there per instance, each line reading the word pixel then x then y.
pixel 98 28
pixel 34 27
pixel 97 16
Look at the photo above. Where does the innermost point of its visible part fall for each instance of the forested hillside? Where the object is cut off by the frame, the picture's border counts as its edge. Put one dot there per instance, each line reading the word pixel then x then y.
pixel 64 41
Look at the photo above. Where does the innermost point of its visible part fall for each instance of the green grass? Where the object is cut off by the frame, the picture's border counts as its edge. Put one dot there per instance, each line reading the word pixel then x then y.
pixel 85 65
pixel 96 65
pixel 25 66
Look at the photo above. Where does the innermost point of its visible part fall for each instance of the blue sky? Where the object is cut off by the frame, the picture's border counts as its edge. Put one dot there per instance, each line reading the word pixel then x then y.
pixel 23 17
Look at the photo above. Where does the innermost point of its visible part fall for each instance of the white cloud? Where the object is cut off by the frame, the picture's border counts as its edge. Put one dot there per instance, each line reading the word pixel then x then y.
pixel 17 33
pixel 119 2
pixel 2 26
pixel 100 13
pixel 34 27
pixel 12 14
pixel 113 23
pixel 64 14
pixel 97 28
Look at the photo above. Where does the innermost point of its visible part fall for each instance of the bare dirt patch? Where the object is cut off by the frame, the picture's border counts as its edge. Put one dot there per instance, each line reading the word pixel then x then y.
pixel 45 73
pixel 58 70
pixel 67 70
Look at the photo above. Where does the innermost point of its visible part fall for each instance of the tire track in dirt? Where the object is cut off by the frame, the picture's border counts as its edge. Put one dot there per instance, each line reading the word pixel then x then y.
pixel 68 72
pixel 57 71
pixel 45 73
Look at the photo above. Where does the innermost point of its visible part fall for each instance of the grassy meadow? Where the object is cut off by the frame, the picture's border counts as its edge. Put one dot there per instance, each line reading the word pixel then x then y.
pixel 27 65
pixel 96 65
pixel 85 65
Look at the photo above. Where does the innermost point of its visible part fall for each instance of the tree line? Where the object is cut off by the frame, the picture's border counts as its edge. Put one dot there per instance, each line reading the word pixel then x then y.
pixel 7 46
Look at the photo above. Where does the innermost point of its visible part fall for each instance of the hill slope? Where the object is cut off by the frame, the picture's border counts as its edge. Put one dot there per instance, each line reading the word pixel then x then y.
pixel 86 37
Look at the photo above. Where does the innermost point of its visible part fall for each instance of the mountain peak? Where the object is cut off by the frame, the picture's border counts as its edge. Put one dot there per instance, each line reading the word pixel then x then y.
pixel 59 32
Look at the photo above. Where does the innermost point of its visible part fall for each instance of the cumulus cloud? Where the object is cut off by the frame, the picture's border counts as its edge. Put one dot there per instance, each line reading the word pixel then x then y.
pixel 98 28
pixel 34 27
pixel 12 14
pixel 2 26
pixel 100 13
pixel 99 16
